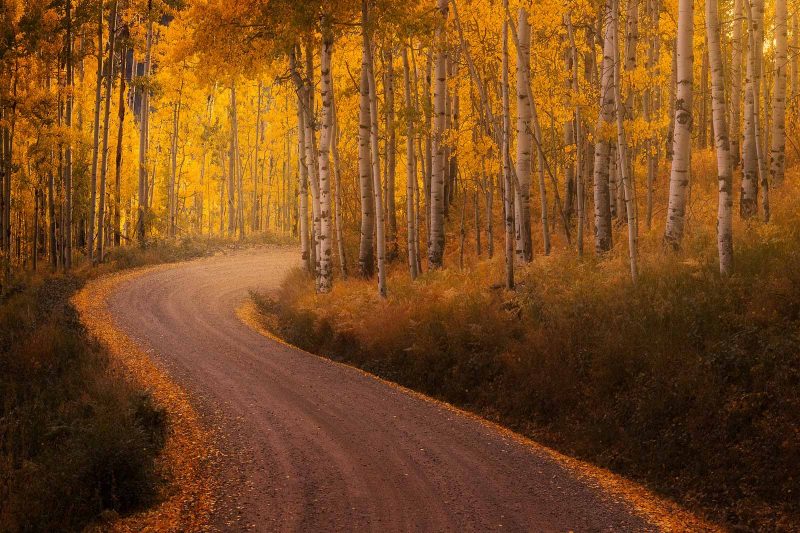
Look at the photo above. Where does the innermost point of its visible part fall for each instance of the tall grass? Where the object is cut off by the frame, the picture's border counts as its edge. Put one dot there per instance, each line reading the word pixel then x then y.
pixel 687 382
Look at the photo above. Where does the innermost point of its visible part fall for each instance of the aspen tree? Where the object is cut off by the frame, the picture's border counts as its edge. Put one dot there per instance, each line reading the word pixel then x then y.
pixel 602 199
pixel 777 156
pixel 232 163
pixel 366 257
pixel 302 173
pixel 67 213
pixel 437 212
pixel 724 178
pixel 508 186
pixel 144 131
pixel 97 127
pixel 325 266
pixel 380 236
pixel 622 146
pixel 681 157
pixel 411 168
pixel 390 160
pixel 337 190
pixel 737 53
pixel 522 214
pixel 101 210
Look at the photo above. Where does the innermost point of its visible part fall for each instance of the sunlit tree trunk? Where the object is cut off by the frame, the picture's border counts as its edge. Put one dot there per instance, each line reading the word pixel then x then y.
pixel 96 143
pixel 337 190
pixel 366 257
pixel 67 215
pixel 522 214
pixel 312 157
pixel 144 131
pixel 325 263
pixel 436 246
pixel 777 156
pixel 232 163
pixel 101 211
pixel 651 105
pixel 737 50
pixel 120 133
pixel 411 168
pixel 602 150
pixel 380 235
pixel 391 164
pixel 748 200
pixel 505 158
pixel 682 136
pixel 724 178
pixel 622 146
pixel 302 171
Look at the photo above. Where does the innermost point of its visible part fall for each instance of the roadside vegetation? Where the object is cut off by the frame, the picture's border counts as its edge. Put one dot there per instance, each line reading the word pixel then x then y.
pixel 78 441
pixel 687 381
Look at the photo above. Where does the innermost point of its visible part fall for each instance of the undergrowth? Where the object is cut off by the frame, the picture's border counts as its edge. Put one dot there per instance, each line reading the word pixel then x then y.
pixel 686 382
pixel 78 440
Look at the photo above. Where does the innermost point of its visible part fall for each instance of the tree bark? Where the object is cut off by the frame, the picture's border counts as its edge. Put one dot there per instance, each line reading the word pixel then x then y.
pixel 777 156
pixel 380 236
pixel 101 211
pixel 437 213
pixel 522 214
pixel 681 158
pixel 96 143
pixel 737 50
pixel 602 199
pixel 325 264
pixel 67 235
pixel 411 168
pixel 366 257
pixel 724 177
pixel 144 131
pixel 505 158
pixel 391 164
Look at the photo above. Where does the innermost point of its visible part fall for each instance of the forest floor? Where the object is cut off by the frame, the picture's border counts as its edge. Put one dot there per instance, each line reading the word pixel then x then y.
pixel 687 382
pixel 81 439
pixel 308 445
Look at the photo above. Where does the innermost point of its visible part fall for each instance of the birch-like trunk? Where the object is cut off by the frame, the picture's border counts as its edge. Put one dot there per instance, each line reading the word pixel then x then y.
pixel 380 236
pixel 777 155
pixel 622 147
pixel 326 91
pixel 748 199
pixel 411 167
pixel 718 108
pixel 522 214
pixel 682 136
pixel 337 190
pixel 120 132
pixel 302 171
pixel 96 142
pixel 101 210
pixel 232 166
pixel 312 157
pixel 366 257
pixel 603 133
pixel 144 133
pixel 391 164
pixel 437 213
pixel 651 105
pixel 505 157
pixel 737 53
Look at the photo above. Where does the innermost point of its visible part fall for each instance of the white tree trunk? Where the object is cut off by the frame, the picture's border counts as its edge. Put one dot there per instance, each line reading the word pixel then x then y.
pixel 366 257
pixel 682 136
pixel 724 178
pixel 411 168
pixel 106 116
pixel 508 183
pixel 305 246
pixel 436 245
pixel 602 199
pixel 777 156
pixel 96 145
pixel 377 192
pixel 325 266
pixel 522 214
pixel 737 53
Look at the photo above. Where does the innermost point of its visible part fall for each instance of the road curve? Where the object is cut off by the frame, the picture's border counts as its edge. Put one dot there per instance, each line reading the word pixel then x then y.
pixel 312 446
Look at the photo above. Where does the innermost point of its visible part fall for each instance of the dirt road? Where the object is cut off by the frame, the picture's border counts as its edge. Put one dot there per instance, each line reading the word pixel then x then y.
pixel 308 445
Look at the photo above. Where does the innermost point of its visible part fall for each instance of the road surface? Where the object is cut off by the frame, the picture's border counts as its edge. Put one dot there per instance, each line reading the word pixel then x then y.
pixel 308 445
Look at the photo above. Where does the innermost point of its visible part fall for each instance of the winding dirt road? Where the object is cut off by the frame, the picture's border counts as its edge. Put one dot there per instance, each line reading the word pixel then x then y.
pixel 309 445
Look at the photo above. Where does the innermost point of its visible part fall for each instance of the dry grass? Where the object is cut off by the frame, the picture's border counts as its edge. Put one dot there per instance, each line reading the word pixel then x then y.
pixel 687 382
